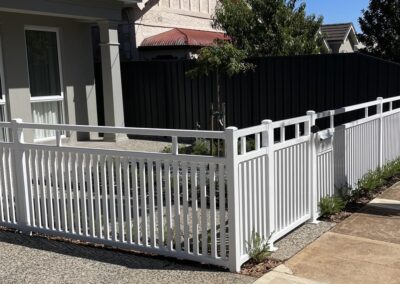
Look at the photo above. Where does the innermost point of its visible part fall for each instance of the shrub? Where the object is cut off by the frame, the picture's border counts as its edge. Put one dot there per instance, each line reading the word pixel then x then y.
pixel 371 181
pixel 331 205
pixel 201 147
pixel 182 149
pixel 258 248
pixel 391 169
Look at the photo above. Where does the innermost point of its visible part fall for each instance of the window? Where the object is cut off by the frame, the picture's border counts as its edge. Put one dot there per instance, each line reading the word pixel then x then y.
pixel 43 63
pixel 44 78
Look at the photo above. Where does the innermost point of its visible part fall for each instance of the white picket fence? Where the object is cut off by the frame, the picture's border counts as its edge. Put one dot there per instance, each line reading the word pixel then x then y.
pixel 201 208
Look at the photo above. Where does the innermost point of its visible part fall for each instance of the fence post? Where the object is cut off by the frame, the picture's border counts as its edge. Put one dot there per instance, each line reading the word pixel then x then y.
pixel 268 141
pixel 379 111
pixel 20 176
pixel 231 152
pixel 313 167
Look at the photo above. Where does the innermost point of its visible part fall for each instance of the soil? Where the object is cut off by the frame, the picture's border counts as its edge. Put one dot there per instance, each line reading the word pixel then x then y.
pixel 254 269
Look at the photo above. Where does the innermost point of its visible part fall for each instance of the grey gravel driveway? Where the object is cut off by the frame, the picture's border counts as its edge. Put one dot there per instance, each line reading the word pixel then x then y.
pixel 25 259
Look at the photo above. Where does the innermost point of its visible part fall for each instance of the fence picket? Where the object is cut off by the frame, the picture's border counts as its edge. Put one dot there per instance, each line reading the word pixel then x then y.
pixel 185 195
pixel 177 201
pixel 121 230
pixel 111 196
pixel 167 176
pixel 104 197
pixel 222 222
pixel 83 170
pixel 135 190
pixel 150 179
pixel 213 213
pixel 127 201
pixel 193 182
pixel 89 182
pixel 143 202
pixel 160 204
pixel 204 213
pixel 97 192
pixel 61 186
pixel 3 206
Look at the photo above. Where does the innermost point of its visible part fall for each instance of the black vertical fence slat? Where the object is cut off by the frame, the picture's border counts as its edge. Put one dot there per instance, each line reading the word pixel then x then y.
pixel 159 94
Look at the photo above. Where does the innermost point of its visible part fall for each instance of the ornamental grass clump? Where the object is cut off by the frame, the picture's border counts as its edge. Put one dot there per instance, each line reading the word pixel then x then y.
pixel 331 205
pixel 258 248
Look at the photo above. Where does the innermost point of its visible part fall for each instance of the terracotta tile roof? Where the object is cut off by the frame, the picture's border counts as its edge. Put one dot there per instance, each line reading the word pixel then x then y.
pixel 183 37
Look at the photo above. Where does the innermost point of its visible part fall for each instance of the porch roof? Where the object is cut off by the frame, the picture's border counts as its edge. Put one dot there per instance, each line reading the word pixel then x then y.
pixel 183 37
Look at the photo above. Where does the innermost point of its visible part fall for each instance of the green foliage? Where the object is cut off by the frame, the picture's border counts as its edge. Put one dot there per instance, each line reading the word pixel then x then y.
pixel 182 149
pixel 270 27
pixel 371 181
pixel 380 29
pixel 331 205
pixel 391 169
pixel 223 58
pixel 201 147
pixel 258 248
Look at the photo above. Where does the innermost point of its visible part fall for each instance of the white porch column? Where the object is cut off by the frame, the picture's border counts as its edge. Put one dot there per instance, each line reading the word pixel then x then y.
pixel 112 86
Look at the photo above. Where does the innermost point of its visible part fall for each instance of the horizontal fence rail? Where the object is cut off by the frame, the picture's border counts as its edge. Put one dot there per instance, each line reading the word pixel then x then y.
pixel 267 179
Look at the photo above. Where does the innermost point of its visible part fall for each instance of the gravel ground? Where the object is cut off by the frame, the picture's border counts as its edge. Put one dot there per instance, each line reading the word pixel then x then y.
pixel 25 259
pixel 294 242
pixel 140 145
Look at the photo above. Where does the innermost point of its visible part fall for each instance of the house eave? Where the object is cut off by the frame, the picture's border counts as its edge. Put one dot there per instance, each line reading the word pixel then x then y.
pixel 91 10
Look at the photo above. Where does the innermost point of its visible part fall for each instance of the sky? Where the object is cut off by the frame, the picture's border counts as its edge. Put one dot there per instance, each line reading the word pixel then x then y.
pixel 337 11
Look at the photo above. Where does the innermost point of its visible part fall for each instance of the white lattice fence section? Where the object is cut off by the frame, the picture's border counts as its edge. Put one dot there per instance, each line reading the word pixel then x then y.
pixel 292 181
pixel 362 146
pixel 204 208
pixel 391 137
pixel 149 203
pixel 325 174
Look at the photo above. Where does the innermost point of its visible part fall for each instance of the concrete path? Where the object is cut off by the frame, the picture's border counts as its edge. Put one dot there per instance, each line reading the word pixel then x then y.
pixel 365 248
pixel 25 259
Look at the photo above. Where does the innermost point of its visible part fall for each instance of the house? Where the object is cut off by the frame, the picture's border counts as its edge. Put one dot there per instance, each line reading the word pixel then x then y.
pixel 340 38
pixel 46 62
pixel 165 29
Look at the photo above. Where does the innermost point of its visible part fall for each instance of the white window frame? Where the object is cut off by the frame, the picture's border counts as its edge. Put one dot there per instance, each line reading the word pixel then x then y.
pixel 58 98
pixel 2 76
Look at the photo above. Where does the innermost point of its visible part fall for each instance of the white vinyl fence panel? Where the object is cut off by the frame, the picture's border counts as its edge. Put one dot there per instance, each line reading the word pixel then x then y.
pixel 200 208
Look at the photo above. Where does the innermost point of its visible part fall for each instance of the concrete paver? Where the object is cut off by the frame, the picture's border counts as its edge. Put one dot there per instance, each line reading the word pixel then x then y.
pixel 365 248
pixel 392 193
pixel 283 275
pixel 281 278
pixel 337 258
pixel 25 259
pixel 369 224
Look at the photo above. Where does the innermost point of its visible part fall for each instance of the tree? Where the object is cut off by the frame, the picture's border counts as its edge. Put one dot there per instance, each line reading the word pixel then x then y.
pixel 270 27
pixel 223 58
pixel 256 28
pixel 380 25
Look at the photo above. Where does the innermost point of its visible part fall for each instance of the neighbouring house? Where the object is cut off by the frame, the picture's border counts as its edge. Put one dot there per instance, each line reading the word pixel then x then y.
pixel 341 38
pixel 46 62
pixel 167 29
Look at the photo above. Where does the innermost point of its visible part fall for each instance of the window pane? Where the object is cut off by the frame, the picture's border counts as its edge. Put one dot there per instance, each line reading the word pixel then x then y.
pixel 45 113
pixel 44 76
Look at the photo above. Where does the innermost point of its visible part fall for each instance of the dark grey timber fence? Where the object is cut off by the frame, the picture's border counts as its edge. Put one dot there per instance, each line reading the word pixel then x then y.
pixel 159 94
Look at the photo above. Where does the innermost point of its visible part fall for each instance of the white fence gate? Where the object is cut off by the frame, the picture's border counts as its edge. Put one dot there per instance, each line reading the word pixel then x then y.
pixel 201 208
